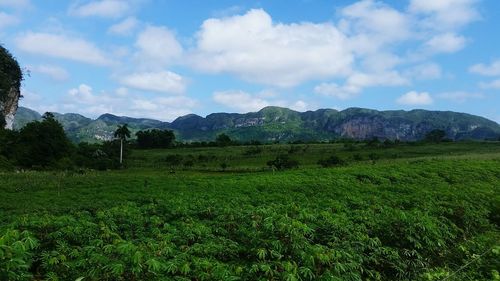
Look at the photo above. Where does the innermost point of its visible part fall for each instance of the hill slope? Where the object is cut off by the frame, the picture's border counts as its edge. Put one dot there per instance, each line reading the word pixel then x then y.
pixel 282 124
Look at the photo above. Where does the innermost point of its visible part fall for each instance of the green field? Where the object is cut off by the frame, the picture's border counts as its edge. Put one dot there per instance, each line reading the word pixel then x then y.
pixel 399 212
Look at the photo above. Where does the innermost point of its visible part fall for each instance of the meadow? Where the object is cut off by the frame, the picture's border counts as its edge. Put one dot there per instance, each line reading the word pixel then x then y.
pixel 385 212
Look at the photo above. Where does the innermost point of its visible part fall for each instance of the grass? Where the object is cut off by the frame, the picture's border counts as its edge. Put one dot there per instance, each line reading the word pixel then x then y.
pixel 417 216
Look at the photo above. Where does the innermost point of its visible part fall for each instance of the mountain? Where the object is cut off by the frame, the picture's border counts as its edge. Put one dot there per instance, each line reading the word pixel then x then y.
pixel 283 124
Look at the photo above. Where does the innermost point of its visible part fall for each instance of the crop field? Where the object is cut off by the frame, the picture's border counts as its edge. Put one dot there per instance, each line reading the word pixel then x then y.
pixel 395 212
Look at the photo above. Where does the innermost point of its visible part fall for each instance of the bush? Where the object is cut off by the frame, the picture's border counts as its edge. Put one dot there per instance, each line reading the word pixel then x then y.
pixel 5 165
pixel 283 162
pixel 174 159
pixel 254 150
pixel 155 139
pixel 42 143
pixel 332 161
pixel 357 157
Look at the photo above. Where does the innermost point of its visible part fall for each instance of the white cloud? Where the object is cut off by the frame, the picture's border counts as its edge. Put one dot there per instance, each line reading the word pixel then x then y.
pixel 415 98
pixel 61 46
pixel 255 48
pixel 7 20
pixel 83 94
pixel 162 81
pixel 445 14
pixel 157 47
pixel 101 8
pixel 334 90
pixel 492 69
pixel 460 97
pixel 495 84
pixel 425 71
pixel 357 81
pixel 240 101
pixel 446 43
pixel 371 24
pixel 300 105
pixel 55 72
pixel 125 27
pixel 15 3
pixel 83 100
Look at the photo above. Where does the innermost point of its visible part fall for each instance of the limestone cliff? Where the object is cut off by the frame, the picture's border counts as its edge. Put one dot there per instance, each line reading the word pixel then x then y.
pixel 10 84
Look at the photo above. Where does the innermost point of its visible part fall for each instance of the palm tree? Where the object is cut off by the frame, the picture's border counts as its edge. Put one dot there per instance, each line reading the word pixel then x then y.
pixel 122 132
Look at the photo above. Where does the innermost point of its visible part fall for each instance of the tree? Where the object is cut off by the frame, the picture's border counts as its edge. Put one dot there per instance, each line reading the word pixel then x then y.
pixel 155 138
pixel 223 140
pixel 282 162
pixel 122 133
pixel 42 143
pixel 333 160
pixel 435 136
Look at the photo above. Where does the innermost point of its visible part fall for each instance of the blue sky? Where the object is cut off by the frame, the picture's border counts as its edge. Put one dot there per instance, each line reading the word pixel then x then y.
pixel 164 59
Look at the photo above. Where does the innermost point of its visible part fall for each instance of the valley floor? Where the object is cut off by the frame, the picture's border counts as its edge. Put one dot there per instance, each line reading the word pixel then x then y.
pixel 404 212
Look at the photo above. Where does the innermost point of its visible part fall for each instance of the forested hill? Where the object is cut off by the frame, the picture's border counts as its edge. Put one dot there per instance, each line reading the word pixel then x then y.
pixel 282 124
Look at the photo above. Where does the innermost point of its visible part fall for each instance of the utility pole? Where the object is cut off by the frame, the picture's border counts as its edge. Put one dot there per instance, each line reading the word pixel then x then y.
pixel 121 151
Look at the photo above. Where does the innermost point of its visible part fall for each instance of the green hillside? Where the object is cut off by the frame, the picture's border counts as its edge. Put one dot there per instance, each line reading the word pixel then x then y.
pixel 281 124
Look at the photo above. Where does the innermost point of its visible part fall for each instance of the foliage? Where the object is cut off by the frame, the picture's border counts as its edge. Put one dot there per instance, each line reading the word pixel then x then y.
pixel 283 162
pixel 401 220
pixel 42 143
pixel 436 135
pixel 331 161
pixel 223 140
pixel 16 254
pixel 11 74
pixel 155 139
pixel 122 132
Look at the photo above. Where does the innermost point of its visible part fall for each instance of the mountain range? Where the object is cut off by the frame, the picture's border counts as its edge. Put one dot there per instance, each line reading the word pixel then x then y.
pixel 283 124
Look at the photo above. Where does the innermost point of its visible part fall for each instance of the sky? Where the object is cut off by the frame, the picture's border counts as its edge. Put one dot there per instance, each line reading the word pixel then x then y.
pixel 164 59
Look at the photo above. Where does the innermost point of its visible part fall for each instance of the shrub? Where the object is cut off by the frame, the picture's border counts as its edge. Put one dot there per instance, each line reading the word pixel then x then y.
pixel 254 150
pixel 332 161
pixel 283 162
pixel 174 159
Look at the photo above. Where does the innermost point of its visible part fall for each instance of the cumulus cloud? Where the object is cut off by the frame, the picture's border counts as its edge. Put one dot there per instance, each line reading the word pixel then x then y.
pixel 445 14
pixel 357 81
pixel 372 24
pixel 241 101
pixel 162 82
pixel 446 43
pixel 415 98
pixel 425 71
pixel 125 27
pixel 257 49
pixel 84 100
pixel 495 84
pixel 102 8
pixel 15 3
pixel 334 90
pixel 157 47
pixel 54 72
pixel 61 46
pixel 492 69
pixel 7 20
pixel 460 97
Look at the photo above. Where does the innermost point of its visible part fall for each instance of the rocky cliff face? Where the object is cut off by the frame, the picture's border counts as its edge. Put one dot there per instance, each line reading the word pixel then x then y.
pixel 281 124
pixel 9 106
pixel 10 84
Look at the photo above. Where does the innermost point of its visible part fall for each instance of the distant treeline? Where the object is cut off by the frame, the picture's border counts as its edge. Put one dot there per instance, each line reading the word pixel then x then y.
pixel 44 145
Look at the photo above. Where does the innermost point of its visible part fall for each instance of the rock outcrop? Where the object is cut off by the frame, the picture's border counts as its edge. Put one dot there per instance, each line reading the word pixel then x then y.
pixel 281 124
pixel 10 84
pixel 9 106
